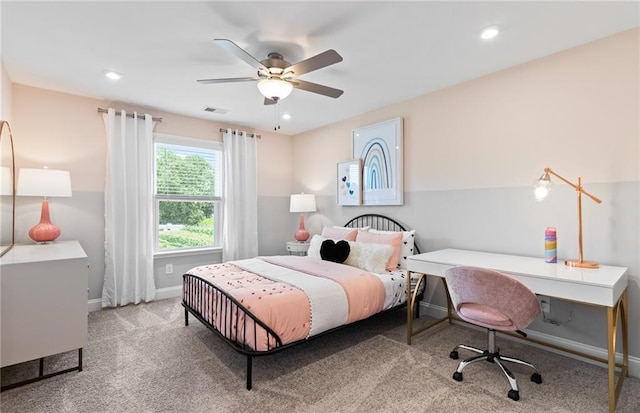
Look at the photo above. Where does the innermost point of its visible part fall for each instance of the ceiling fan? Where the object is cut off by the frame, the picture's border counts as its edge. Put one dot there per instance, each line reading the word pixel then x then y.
pixel 276 77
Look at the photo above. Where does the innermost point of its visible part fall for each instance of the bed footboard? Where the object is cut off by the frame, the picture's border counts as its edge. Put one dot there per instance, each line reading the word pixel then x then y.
pixel 227 317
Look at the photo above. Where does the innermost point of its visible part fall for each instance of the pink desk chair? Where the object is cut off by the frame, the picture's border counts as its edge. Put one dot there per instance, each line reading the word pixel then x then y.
pixel 497 302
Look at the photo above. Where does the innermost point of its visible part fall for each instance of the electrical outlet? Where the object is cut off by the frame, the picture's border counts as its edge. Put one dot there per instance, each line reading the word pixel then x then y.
pixel 168 269
pixel 545 304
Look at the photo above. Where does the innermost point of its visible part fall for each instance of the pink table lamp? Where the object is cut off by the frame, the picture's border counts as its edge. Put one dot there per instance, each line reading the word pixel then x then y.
pixel 302 203
pixel 46 183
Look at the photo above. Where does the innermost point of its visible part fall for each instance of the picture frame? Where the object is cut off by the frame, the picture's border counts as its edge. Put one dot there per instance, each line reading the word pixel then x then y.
pixel 380 147
pixel 348 181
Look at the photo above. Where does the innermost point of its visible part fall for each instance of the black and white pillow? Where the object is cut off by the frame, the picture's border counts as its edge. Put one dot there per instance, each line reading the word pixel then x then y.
pixel 335 251
pixel 407 246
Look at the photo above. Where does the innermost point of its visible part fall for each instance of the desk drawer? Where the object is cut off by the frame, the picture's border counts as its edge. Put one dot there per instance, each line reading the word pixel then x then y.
pixel 429 268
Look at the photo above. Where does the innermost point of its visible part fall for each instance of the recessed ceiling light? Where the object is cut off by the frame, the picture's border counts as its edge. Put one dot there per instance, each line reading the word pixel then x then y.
pixel 489 33
pixel 112 75
pixel 287 116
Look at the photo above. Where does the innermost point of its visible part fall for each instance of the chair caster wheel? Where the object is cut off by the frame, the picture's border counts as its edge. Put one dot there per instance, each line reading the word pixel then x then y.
pixel 536 378
pixel 457 376
pixel 514 395
pixel 454 355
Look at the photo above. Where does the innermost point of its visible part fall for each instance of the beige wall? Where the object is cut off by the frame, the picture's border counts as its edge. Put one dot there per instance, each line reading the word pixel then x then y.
pixel 65 131
pixel 575 111
pixel 61 131
pixel 5 93
pixel 5 85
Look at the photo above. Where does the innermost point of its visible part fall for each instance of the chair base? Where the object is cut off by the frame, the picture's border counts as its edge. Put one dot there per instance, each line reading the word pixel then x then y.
pixel 492 355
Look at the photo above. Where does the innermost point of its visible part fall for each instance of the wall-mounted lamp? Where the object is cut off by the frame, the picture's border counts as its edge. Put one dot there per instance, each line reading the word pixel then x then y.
pixel 542 187
pixel 46 183
pixel 302 203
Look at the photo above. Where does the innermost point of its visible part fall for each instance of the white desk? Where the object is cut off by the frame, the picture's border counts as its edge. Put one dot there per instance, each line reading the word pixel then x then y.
pixel 602 287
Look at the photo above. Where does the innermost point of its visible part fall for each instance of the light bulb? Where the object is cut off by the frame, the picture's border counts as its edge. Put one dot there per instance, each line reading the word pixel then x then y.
pixel 541 187
pixel 541 193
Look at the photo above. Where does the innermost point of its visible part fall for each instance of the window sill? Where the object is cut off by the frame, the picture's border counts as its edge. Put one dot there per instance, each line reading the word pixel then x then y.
pixel 193 252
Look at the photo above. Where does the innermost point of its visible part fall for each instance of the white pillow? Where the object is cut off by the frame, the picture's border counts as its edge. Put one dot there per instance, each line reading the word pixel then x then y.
pixel 314 246
pixel 369 257
pixel 407 246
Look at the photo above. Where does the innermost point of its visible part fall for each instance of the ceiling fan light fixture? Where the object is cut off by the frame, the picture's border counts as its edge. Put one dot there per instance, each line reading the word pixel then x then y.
pixel 275 88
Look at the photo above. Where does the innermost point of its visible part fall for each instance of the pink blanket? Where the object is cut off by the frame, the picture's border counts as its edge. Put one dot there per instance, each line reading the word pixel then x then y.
pixel 283 307
pixel 364 291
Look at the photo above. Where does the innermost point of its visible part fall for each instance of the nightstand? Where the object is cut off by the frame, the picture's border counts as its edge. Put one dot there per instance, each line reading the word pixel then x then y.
pixel 44 304
pixel 297 248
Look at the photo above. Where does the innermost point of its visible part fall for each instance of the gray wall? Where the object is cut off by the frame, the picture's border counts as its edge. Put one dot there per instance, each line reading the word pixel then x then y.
pixel 510 221
pixel 81 218
pixel 503 220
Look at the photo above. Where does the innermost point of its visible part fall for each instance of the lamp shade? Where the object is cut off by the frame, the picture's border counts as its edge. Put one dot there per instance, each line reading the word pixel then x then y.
pixel 44 182
pixel 275 88
pixel 302 203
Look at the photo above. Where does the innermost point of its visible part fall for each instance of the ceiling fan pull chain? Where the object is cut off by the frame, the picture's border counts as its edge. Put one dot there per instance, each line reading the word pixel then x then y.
pixel 276 115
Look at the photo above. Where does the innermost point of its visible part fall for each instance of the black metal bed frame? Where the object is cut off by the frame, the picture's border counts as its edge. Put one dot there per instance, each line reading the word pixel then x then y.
pixel 217 310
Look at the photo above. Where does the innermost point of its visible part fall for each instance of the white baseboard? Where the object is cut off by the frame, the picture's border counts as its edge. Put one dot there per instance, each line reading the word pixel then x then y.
pixel 161 293
pixel 634 362
pixel 95 304
pixel 169 292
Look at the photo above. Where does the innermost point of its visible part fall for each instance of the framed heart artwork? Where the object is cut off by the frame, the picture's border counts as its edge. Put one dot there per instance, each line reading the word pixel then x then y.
pixel 348 182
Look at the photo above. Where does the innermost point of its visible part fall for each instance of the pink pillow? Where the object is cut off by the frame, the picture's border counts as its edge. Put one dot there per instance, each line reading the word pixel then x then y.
pixel 347 234
pixel 394 239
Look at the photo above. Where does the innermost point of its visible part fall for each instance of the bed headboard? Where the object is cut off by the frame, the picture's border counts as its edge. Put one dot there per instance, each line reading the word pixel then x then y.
pixel 381 223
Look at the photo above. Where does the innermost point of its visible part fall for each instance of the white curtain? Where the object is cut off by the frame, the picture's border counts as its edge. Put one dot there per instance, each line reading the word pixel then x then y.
pixel 240 213
pixel 128 205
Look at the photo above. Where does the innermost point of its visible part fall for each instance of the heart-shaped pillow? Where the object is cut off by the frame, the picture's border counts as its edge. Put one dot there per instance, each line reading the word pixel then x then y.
pixel 335 251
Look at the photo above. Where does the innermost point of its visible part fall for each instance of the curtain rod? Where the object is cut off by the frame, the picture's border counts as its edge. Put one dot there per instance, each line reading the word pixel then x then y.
pixel 251 135
pixel 129 115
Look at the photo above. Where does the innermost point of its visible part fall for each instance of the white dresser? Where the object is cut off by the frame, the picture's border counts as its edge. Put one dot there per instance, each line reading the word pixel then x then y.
pixel 43 303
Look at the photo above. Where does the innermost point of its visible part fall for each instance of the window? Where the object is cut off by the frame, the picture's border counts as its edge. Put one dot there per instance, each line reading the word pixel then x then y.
pixel 188 193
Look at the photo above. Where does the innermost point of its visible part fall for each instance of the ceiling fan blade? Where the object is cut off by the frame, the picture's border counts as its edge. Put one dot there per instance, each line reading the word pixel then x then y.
pixel 228 80
pixel 268 101
pixel 316 88
pixel 240 53
pixel 316 62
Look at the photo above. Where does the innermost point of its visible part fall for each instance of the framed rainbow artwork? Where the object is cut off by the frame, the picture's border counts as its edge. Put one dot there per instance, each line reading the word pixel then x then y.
pixel 379 146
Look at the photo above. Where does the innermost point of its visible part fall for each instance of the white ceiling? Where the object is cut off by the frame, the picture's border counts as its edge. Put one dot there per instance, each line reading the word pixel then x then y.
pixel 392 51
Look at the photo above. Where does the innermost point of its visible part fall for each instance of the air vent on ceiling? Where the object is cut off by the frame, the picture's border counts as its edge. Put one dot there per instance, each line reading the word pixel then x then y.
pixel 215 110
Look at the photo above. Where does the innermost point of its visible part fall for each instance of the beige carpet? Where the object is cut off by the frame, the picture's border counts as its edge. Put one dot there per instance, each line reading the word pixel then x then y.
pixel 143 359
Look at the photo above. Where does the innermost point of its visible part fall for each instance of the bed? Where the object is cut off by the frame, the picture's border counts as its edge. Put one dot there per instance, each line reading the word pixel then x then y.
pixel 264 305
